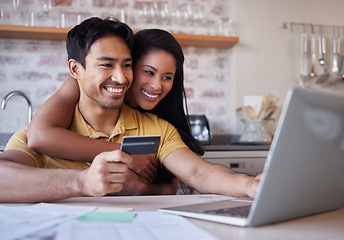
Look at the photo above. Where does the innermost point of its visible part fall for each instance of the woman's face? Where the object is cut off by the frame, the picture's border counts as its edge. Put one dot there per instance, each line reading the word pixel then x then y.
pixel 153 79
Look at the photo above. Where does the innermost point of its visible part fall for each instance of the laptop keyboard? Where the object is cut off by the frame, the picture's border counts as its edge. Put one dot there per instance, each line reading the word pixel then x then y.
pixel 242 211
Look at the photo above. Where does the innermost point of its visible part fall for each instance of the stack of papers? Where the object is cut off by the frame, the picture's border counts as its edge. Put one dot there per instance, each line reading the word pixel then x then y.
pixel 38 220
pixel 63 222
pixel 144 226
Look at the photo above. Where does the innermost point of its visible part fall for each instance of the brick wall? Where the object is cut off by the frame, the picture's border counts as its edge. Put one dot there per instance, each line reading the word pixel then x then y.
pixel 38 68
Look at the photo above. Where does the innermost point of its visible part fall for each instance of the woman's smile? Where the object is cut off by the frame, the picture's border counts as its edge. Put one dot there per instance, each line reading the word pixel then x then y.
pixel 149 95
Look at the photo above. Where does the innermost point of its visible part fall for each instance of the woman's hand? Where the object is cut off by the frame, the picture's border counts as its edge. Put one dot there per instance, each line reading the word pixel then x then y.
pixel 144 166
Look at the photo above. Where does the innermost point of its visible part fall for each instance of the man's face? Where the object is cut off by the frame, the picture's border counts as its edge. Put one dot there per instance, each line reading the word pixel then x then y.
pixel 108 73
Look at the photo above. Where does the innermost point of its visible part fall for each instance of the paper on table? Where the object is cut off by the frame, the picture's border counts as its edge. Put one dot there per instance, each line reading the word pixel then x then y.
pixel 146 225
pixel 35 220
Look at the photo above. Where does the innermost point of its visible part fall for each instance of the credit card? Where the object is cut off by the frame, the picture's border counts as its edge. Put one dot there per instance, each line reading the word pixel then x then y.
pixel 140 145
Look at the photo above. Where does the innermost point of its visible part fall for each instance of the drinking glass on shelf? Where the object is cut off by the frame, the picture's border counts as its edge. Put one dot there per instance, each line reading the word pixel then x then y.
pixel 148 12
pixel 197 14
pixel 70 19
pixel 104 3
pixel 39 14
pixel 165 13
pixel 183 14
pixel 30 19
pixel 5 16
pixel 225 27
pixel 210 27
pixel 121 14
pixel 46 5
pixel 162 14
pixel 18 15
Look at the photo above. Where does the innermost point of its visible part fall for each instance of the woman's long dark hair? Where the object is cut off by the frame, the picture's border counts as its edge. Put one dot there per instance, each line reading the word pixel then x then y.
pixel 170 107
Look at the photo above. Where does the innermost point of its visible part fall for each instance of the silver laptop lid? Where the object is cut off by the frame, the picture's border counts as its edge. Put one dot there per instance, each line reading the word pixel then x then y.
pixel 304 172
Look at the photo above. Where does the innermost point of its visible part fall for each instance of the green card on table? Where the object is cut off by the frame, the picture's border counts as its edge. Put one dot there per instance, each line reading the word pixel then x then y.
pixel 108 216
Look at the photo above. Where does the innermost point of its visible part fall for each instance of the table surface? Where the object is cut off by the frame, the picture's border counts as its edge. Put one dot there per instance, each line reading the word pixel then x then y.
pixel 321 226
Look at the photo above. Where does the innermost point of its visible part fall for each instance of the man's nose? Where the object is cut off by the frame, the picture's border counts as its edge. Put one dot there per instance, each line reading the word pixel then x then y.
pixel 119 76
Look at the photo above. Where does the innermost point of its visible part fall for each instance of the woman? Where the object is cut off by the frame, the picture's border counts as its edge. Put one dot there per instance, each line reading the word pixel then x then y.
pixel 158 87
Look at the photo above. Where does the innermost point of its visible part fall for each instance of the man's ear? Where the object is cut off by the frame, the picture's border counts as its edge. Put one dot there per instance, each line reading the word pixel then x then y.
pixel 74 68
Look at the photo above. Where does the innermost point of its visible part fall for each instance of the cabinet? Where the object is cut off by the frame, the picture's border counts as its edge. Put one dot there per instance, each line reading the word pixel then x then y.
pixel 249 162
pixel 59 34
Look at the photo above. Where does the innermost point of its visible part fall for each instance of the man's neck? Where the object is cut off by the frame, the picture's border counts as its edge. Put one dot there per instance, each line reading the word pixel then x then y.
pixel 101 119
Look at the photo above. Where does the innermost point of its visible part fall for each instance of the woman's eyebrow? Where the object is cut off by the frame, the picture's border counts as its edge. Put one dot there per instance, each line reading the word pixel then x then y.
pixel 169 73
pixel 150 67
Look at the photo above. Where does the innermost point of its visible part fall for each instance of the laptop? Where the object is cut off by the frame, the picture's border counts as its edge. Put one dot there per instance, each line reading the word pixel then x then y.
pixel 304 170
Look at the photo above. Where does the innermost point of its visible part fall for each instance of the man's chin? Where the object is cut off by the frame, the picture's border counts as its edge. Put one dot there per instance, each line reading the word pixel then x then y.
pixel 113 106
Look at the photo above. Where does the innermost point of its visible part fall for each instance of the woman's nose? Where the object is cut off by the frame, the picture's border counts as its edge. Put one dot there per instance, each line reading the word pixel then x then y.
pixel 156 83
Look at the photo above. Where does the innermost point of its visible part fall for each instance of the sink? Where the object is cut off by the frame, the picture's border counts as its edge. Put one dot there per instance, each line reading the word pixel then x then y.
pixel 4 137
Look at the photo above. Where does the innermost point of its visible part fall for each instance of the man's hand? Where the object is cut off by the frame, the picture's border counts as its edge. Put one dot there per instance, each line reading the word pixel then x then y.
pixel 107 173
pixel 144 166
pixel 252 186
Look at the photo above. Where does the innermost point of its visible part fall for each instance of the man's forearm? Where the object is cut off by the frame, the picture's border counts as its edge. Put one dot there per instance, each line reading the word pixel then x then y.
pixel 20 183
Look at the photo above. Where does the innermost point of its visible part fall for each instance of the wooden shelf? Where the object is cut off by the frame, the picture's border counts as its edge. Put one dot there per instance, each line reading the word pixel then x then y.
pixel 59 34
pixel 37 33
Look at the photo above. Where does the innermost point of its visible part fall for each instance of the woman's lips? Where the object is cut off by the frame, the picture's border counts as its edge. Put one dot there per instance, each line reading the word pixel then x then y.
pixel 152 96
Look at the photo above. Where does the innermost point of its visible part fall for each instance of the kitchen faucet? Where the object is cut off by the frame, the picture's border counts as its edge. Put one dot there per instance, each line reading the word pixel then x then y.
pixel 11 94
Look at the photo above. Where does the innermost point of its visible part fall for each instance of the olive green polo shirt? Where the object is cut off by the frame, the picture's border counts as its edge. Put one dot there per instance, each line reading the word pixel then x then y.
pixel 130 123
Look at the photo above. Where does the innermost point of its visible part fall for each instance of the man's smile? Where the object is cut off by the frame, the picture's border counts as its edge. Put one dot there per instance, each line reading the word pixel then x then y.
pixel 114 90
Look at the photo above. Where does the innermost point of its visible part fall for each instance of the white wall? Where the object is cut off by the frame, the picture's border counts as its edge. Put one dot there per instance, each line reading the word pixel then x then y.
pixel 266 60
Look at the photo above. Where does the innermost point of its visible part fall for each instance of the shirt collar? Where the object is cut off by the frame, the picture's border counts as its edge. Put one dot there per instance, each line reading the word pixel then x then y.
pixel 126 121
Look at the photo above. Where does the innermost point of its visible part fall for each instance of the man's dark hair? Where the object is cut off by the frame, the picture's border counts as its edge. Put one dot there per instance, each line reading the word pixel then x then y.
pixel 81 37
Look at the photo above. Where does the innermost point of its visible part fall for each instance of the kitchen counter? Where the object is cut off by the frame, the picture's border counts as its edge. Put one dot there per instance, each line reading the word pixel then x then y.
pixel 231 143
pixel 246 158
pixel 4 137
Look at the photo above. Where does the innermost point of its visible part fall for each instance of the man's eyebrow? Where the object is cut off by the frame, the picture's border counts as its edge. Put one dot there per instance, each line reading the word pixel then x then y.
pixel 104 58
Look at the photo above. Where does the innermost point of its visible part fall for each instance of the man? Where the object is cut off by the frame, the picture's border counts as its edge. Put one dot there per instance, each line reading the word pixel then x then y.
pixel 100 60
